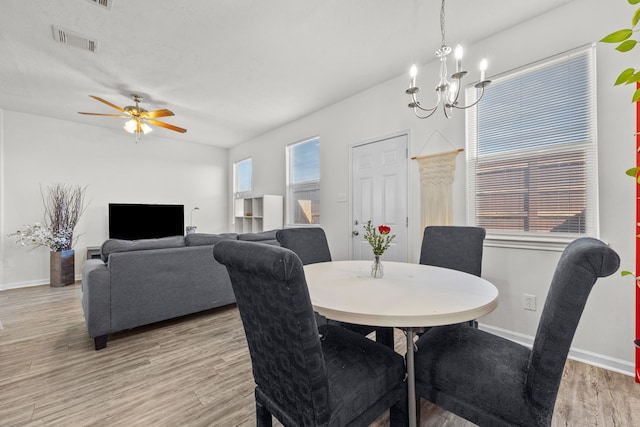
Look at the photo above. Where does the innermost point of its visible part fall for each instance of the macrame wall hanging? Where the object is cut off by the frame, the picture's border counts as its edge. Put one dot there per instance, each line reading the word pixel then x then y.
pixel 437 172
pixel 436 187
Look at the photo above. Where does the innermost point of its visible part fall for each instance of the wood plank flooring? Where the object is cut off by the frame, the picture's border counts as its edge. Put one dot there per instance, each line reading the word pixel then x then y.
pixel 193 371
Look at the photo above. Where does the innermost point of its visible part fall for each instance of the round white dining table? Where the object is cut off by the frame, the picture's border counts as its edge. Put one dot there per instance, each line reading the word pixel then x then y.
pixel 409 296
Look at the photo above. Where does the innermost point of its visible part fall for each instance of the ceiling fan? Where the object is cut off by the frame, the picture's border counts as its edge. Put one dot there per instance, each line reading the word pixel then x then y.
pixel 139 118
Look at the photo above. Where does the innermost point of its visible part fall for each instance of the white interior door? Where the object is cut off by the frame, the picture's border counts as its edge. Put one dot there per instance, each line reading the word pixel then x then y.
pixel 379 193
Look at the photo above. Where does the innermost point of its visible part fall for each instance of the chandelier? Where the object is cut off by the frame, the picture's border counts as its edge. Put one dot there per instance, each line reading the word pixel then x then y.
pixel 447 90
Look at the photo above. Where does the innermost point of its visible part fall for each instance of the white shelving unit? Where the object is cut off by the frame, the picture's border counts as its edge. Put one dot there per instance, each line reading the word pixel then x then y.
pixel 255 214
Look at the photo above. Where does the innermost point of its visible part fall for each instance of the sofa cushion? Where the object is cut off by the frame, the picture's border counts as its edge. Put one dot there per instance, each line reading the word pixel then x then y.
pixel 268 237
pixel 116 245
pixel 204 239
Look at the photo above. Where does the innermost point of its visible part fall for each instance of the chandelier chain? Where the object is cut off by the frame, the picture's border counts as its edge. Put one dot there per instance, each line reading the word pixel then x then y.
pixel 442 23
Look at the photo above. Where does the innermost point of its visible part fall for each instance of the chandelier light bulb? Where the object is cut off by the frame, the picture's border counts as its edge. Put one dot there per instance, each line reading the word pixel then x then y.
pixel 413 72
pixel 483 69
pixel 458 54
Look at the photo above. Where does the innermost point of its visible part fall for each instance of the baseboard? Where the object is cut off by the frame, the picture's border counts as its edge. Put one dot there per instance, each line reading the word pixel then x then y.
pixel 26 284
pixel 29 283
pixel 585 356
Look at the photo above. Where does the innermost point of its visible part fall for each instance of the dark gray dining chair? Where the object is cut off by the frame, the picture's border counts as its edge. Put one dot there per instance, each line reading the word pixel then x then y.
pixel 492 381
pixel 455 247
pixel 303 377
pixel 310 244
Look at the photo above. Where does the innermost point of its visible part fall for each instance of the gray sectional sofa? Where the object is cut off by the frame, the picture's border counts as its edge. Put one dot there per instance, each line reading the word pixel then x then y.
pixel 140 282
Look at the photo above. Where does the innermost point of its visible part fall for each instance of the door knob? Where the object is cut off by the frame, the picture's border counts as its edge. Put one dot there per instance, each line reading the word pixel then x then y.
pixel 355 233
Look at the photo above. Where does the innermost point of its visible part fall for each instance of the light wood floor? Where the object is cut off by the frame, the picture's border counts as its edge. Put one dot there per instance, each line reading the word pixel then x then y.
pixel 193 371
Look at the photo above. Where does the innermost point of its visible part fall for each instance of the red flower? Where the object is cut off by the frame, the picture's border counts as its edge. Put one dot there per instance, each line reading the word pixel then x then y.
pixel 379 242
pixel 383 229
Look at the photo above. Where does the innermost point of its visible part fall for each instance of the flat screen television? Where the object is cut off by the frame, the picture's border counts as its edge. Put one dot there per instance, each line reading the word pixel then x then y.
pixel 131 221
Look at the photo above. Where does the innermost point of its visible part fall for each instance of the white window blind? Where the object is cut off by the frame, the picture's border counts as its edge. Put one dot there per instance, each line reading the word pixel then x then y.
pixel 531 152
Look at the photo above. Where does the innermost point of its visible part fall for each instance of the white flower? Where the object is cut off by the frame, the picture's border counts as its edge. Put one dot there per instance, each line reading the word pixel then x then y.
pixel 37 235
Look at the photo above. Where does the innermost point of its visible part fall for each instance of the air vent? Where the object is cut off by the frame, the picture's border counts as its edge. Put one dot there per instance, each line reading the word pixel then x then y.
pixel 74 39
pixel 105 4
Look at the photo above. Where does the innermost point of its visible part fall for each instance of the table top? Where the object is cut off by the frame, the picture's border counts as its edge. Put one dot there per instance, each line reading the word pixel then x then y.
pixel 409 295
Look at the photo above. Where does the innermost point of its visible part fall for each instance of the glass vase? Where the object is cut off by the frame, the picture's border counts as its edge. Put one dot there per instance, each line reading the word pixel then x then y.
pixel 377 270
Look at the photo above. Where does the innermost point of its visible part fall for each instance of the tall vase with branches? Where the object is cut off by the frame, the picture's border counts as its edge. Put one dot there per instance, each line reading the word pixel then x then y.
pixel 63 206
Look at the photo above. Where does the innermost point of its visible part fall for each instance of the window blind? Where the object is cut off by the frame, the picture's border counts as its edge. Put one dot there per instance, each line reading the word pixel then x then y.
pixel 532 153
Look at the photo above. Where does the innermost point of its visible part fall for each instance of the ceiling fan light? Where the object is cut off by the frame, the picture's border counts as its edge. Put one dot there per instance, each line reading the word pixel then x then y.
pixel 131 126
pixel 145 128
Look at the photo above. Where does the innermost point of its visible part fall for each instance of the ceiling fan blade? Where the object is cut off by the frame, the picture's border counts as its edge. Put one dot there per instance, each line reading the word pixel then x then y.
pixel 108 115
pixel 156 113
pixel 166 125
pixel 108 103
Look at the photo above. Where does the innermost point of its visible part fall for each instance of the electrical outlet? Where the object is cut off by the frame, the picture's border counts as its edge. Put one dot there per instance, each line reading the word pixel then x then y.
pixel 529 302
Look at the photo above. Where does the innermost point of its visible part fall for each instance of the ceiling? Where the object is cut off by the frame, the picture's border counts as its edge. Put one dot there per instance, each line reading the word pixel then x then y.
pixel 230 70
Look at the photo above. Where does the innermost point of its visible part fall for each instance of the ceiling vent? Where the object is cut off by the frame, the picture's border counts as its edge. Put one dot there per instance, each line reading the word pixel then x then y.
pixel 105 4
pixel 74 39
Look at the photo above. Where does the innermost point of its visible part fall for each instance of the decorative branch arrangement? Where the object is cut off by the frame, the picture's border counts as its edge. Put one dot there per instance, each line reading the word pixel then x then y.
pixel 63 207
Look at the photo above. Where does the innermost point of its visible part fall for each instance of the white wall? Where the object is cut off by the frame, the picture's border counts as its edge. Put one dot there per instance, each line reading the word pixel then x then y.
pixel 37 151
pixel 605 333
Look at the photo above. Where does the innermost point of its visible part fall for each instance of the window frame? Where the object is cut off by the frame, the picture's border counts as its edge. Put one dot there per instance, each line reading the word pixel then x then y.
pixel 534 239
pixel 290 164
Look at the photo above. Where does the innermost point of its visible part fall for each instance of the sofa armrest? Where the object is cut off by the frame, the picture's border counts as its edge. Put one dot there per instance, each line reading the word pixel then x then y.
pixel 96 297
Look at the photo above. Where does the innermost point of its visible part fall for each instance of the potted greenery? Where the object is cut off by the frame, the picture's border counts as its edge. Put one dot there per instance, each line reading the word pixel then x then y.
pixel 629 76
pixel 63 207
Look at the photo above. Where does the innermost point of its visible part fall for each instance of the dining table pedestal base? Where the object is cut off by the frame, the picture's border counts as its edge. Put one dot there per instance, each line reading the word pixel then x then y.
pixel 411 374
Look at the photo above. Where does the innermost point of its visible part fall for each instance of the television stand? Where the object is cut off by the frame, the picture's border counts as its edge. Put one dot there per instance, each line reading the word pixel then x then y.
pixel 93 252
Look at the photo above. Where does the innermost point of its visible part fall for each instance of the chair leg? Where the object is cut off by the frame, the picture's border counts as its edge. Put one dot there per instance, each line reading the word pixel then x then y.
pixel 385 336
pixel 398 414
pixel 263 416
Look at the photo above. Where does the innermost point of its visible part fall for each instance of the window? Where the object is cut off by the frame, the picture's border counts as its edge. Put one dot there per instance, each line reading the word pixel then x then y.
pixel 303 182
pixel 531 152
pixel 242 177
